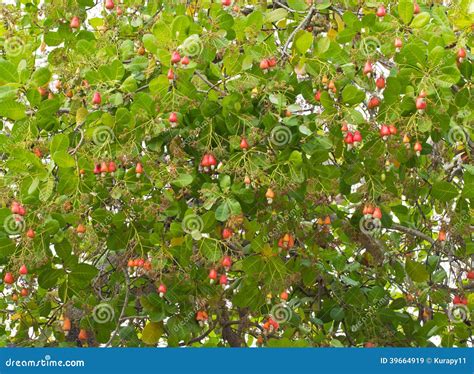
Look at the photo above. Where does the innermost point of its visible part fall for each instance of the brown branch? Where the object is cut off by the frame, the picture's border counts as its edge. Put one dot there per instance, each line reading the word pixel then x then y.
pixel 209 83
pixel 200 337
pixel 412 232
pixel 60 111
pixel 122 312
pixel 301 26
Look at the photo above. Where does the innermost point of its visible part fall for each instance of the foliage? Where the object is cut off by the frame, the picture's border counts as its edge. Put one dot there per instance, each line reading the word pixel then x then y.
pixel 333 242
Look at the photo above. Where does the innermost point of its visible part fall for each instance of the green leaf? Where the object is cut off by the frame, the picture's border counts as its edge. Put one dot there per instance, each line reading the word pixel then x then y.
pixel 64 159
pixel 49 278
pixel 322 45
pixel 41 77
pixel 152 333
pixel 150 42
pixel 447 76
pixel 159 85
pixel 275 15
pixel 129 84
pixel 122 116
pixel 8 73
pixel 303 41
pixel 249 296
pixel 33 186
pixel 421 20
pixel 416 271
pixel 53 39
pixel 179 27
pixel 352 96
pixel 444 191
pixel 8 92
pixel 84 272
pixel 112 72
pixel 337 314
pixel 210 249
pixel 7 247
pixel 12 109
pixel 405 10
pixel 227 208
pixel 183 180
pixel 297 5
pixel 59 142
pixel 323 4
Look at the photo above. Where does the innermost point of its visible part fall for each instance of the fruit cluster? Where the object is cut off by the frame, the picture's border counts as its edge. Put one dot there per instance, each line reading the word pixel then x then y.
pixel 139 263
pixel 103 168
pixel 352 138
pixel 270 326
pixel 287 242
pixel 22 283
pixel 208 163
pixel 460 300
pixel 226 263
pixel 18 208
pixel 370 211
pixel 268 63
pixel 201 317
pixel 387 130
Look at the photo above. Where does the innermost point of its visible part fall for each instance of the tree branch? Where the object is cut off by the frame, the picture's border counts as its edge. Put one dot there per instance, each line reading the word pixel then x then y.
pixel 122 312
pixel 302 25
pixel 412 232
pixel 200 337
pixel 210 84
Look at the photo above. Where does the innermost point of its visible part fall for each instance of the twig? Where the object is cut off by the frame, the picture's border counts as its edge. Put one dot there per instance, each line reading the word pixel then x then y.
pixel 298 28
pixel 78 127
pixel 60 111
pixel 210 84
pixel 200 337
pixel 281 5
pixel 122 312
pixel 73 151
pixel 413 232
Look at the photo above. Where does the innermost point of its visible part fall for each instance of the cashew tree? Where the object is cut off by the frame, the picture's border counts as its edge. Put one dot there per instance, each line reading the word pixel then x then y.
pixel 236 173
